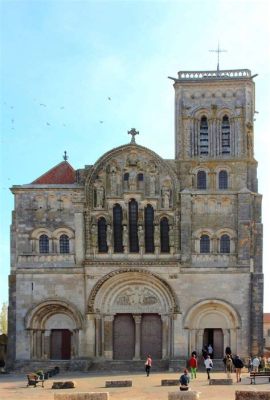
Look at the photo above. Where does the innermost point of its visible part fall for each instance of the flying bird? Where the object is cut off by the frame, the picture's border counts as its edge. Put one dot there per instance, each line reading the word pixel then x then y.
pixel 109 98
pixel 42 105
pixel 47 123
pixel 101 122
pixel 62 108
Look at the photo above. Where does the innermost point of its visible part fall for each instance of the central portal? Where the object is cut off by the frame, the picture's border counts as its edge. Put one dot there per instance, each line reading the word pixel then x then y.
pixel 215 338
pixel 149 339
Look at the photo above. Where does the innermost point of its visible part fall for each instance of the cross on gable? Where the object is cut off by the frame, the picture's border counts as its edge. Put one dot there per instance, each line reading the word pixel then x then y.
pixel 218 51
pixel 133 133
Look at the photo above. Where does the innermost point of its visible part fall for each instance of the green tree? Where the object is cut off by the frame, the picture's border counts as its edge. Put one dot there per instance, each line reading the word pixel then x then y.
pixel 3 319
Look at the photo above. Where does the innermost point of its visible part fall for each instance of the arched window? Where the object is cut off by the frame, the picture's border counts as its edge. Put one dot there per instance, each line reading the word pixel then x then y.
pixel 201 180
pixel 204 244
pixel 102 237
pixel 43 244
pixel 133 226
pixel 126 176
pixel 149 228
pixel 117 228
pixel 223 180
pixel 225 135
pixel 140 177
pixel 164 235
pixel 64 244
pixel 225 244
pixel 203 135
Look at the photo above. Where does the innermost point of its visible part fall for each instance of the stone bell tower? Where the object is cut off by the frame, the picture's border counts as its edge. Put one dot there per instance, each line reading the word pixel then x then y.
pixel 214 151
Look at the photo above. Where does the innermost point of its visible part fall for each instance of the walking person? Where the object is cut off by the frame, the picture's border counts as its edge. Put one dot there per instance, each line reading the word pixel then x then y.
pixel 229 366
pixel 255 364
pixel 193 364
pixel 208 365
pixel 210 351
pixel 184 380
pixel 148 364
pixel 238 363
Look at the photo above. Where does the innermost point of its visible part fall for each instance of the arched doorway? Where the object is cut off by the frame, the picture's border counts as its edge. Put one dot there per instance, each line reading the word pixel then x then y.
pixel 54 326
pixel 212 322
pixel 139 304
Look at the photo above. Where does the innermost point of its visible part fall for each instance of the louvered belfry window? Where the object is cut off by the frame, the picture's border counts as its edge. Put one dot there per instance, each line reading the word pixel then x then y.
pixel 164 235
pixel 117 228
pixel 102 237
pixel 149 228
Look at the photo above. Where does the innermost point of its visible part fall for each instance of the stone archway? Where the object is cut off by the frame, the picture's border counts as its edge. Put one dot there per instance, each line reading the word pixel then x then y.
pixel 54 326
pixel 133 297
pixel 213 320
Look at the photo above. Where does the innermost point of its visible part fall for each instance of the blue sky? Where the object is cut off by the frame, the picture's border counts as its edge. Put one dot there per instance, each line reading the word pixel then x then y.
pixel 61 60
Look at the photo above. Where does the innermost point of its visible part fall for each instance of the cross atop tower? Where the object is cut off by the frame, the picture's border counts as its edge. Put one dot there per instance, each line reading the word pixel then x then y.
pixel 218 50
pixel 65 156
pixel 133 133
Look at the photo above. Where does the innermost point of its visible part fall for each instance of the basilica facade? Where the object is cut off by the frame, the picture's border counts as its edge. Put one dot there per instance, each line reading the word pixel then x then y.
pixel 137 254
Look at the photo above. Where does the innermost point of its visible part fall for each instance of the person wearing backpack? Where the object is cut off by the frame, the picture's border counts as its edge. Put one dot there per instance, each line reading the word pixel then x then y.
pixel 238 363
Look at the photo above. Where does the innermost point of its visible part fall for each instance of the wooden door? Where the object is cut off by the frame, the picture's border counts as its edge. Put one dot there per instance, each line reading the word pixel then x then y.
pixel 123 337
pixel 151 336
pixel 60 344
pixel 218 343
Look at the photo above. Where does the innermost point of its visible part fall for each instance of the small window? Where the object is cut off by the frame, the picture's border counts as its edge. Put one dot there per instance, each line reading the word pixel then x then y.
pixel 164 236
pixel 43 244
pixel 102 235
pixel 204 244
pixel 140 177
pixel 126 176
pixel 201 180
pixel 223 180
pixel 225 244
pixel 204 136
pixel 64 244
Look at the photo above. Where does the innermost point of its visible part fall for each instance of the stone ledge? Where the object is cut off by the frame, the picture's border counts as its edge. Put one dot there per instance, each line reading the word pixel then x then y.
pixel 188 395
pixel 64 385
pixel 252 395
pixel 220 382
pixel 118 383
pixel 170 382
pixel 82 396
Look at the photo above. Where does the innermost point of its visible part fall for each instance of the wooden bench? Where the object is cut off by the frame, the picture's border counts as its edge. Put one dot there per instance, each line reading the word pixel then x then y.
pixel 254 375
pixel 34 380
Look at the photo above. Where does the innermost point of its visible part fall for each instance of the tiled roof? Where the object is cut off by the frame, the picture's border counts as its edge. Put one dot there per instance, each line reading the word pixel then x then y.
pixel 266 317
pixel 62 173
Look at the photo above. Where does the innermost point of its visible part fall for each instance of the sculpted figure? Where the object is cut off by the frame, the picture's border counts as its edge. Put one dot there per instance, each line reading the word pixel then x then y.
pixel 109 235
pixel 99 195
pixel 166 194
pixel 125 237
pixel 171 236
pixel 94 236
pixel 157 236
pixel 152 185
pixel 141 236
pixel 132 180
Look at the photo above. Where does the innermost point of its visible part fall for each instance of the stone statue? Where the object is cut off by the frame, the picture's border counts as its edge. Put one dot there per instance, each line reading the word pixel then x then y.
pixel 157 236
pixel 141 236
pixel 125 237
pixel 114 180
pixel 94 236
pixel 166 194
pixel 132 180
pixel 171 236
pixel 99 195
pixel 109 235
pixel 152 185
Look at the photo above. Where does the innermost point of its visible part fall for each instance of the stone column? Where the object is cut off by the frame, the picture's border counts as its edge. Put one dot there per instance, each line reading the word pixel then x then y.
pixel 79 237
pixel 98 336
pixel 108 336
pixel 165 336
pixel 226 339
pixel 38 343
pixel 137 319
pixel 90 335
pixel 199 339
pixel 47 337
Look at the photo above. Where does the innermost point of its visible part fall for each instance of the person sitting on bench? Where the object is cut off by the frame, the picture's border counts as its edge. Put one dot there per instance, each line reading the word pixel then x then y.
pixel 184 380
